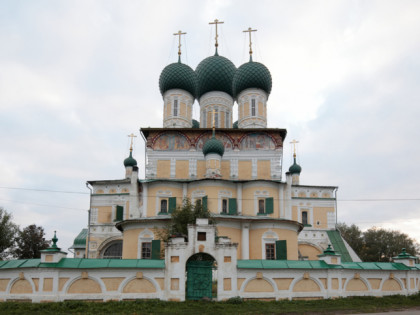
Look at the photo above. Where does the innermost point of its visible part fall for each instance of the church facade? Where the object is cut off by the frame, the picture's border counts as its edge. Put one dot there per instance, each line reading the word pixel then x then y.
pixel 274 238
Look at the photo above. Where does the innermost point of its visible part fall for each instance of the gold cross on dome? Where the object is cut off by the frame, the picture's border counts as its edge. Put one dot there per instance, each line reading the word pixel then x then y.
pixel 216 22
pixel 132 136
pixel 294 142
pixel 250 30
pixel 179 34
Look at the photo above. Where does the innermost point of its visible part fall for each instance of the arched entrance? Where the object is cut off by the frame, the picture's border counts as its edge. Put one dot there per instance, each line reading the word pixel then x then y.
pixel 199 276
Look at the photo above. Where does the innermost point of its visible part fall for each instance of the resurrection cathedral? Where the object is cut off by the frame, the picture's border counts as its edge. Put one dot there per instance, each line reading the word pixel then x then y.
pixel 274 238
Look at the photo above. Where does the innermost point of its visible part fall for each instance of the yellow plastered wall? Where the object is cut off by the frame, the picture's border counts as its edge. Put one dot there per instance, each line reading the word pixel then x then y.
pixel 201 169
pixel 320 214
pixel 222 120
pixel 356 285
pixel 189 112
pixel 310 251
pixel 375 283
pixel 294 213
pixel 83 286
pixel 3 284
pixel 183 110
pixel 168 109
pixel 104 214
pixel 209 119
pixel 48 284
pixel 131 243
pixel 248 200
pixel 153 192
pixel 163 169
pixel 212 193
pixel 181 170
pixel 235 236
pixel 246 109
pixel 260 109
pixel 225 170
pixel 139 286
pixel 259 285
pixel 21 286
pixel 255 242
pixel 306 285
pixel 113 283
pixel 263 169
pixel 127 210
pixel 391 285
pixel 244 170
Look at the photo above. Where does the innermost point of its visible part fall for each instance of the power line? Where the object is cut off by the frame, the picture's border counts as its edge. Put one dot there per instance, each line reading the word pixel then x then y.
pixel 46 190
pixel 43 205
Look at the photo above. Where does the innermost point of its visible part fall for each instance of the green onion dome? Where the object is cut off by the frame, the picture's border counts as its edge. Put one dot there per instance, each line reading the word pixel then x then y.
pixel 235 125
pixel 295 168
pixel 195 124
pixel 178 76
pixel 213 145
pixel 251 75
pixel 130 161
pixel 215 73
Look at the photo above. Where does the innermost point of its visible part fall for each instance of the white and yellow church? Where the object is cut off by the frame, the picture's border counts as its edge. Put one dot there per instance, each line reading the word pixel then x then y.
pixel 274 238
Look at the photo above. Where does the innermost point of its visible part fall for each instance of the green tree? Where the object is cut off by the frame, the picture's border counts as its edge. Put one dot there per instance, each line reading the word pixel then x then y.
pixel 381 244
pixel 182 216
pixel 8 232
pixel 30 242
pixel 353 236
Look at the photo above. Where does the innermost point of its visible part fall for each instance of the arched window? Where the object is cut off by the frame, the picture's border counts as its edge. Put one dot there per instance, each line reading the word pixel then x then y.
pixel 113 251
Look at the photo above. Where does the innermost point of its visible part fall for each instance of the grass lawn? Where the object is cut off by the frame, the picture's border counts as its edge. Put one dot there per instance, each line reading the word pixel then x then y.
pixel 232 306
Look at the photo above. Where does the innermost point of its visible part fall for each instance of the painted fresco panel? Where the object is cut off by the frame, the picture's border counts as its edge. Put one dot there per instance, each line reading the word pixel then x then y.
pixel 257 141
pixel 171 142
pixel 226 141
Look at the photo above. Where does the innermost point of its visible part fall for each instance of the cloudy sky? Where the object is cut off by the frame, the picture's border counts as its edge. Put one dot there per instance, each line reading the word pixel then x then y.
pixel 76 77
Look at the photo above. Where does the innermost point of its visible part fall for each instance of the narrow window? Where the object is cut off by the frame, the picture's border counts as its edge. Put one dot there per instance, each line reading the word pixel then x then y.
pixel 94 215
pixel 216 118
pixel 224 205
pixel 146 250
pixel 204 115
pixel 261 206
pixel 164 206
pixel 270 253
pixel 253 107
pixel 201 236
pixel 175 107
pixel 304 217
pixel 226 119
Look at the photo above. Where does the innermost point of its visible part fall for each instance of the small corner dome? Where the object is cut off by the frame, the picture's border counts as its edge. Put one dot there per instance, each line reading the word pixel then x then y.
pixel 130 161
pixel 195 124
pixel 178 76
pixel 213 145
pixel 215 73
pixel 252 75
pixel 295 169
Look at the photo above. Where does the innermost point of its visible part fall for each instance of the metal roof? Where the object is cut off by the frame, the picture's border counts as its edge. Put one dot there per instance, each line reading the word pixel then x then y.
pixel 83 263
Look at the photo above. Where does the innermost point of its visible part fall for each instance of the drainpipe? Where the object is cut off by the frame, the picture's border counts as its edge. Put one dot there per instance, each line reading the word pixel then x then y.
pixel 90 208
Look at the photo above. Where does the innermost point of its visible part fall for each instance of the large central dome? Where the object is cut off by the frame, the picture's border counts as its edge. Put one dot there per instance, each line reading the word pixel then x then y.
pixel 215 73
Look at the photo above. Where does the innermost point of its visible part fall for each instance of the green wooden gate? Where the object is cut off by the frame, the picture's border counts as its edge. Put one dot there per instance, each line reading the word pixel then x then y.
pixel 199 279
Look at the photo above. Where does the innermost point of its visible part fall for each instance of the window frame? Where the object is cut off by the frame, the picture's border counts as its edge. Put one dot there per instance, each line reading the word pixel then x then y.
pixel 146 246
pixel 175 108
pixel 261 201
pixel 270 251
pixel 162 202
pixel 253 107
pixel 224 206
